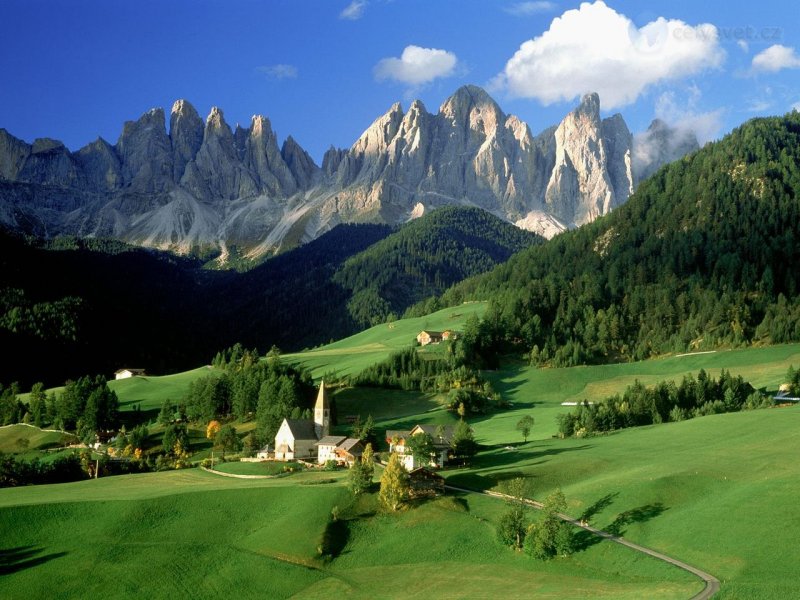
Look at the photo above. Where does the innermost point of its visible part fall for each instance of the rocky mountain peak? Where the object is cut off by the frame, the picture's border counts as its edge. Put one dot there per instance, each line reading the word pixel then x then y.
pixel 186 134
pixel 590 105
pixel 659 145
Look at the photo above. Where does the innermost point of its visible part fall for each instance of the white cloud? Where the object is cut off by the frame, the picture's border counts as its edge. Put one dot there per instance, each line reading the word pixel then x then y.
pixel 743 45
pixel 417 66
pixel 774 59
pixel 594 48
pixel 796 106
pixel 526 9
pixel 354 10
pixel 280 71
pixel 684 114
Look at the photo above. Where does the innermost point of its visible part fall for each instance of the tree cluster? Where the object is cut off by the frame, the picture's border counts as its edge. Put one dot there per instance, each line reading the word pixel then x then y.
pixel 246 386
pixel 663 403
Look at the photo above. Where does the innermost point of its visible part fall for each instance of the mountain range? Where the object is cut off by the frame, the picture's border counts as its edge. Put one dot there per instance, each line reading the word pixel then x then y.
pixel 205 188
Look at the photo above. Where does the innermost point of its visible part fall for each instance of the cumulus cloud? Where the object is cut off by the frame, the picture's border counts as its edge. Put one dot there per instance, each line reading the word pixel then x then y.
pixel 525 9
pixel 354 10
pixel 594 48
pixel 774 59
pixel 279 71
pixel 417 66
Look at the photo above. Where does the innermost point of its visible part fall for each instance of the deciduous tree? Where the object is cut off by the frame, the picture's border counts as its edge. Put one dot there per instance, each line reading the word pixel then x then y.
pixel 394 484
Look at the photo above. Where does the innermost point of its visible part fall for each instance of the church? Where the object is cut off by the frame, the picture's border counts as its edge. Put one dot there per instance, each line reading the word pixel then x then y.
pixel 297 438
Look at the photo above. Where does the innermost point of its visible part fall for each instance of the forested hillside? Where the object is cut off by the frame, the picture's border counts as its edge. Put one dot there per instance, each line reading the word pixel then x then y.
pixel 424 258
pixel 703 255
pixel 74 307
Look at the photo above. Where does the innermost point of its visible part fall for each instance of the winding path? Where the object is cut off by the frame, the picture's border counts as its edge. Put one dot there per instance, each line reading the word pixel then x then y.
pixel 712 583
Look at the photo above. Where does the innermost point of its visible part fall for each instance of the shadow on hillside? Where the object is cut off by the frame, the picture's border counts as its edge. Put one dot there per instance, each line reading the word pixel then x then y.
pixel 641 514
pixel 598 506
pixel 24 557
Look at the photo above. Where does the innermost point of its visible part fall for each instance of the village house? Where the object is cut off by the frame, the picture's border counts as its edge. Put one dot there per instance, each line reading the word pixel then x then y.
pixel 126 373
pixel 441 435
pixel 349 451
pixel 326 448
pixel 298 438
pixel 429 337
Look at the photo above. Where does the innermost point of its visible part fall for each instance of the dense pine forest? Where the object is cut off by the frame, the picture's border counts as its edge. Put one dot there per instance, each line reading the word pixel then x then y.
pixel 703 255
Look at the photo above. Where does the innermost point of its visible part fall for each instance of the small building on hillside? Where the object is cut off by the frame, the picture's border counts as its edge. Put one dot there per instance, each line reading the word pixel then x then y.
pixel 126 373
pixel 298 438
pixel 263 454
pixel 429 337
pixel 449 334
pixel 424 482
pixel 442 436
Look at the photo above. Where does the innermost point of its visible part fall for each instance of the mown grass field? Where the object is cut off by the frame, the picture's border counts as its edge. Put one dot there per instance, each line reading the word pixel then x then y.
pixel 194 534
pixel 351 355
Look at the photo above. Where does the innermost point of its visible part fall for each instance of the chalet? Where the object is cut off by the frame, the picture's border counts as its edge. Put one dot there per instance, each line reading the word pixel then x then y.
pixel 449 334
pixel 126 373
pixel 424 482
pixel 298 438
pixel 441 436
pixel 429 337
pixel 349 451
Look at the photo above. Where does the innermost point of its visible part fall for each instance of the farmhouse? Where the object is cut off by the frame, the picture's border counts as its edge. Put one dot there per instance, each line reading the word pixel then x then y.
pixel 429 337
pixel 441 435
pixel 298 438
pixel 126 373
pixel 349 451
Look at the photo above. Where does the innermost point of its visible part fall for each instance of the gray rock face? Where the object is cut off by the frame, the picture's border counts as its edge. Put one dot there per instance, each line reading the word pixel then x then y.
pixel 186 135
pixel 203 185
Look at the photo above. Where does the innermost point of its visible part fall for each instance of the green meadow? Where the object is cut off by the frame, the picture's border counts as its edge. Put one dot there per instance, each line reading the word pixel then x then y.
pixel 195 534
pixel 351 355
pixel 716 492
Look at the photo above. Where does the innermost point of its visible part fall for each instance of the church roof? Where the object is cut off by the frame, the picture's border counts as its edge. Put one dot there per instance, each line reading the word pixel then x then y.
pixel 322 397
pixel 302 429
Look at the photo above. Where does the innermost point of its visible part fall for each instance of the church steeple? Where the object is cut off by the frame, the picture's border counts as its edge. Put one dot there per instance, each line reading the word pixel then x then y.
pixel 322 412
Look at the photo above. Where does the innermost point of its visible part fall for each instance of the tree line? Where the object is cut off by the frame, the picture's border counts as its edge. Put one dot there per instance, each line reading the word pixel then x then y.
pixel 663 403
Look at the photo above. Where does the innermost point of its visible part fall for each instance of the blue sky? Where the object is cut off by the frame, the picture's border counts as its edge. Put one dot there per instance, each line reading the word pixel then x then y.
pixel 323 70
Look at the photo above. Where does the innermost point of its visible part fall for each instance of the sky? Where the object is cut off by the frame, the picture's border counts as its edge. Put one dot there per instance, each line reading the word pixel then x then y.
pixel 323 70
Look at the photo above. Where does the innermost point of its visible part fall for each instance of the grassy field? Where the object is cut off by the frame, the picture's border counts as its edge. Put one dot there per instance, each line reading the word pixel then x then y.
pixel 540 392
pixel 718 492
pixel 257 468
pixel 351 355
pixel 189 533
pixel 34 438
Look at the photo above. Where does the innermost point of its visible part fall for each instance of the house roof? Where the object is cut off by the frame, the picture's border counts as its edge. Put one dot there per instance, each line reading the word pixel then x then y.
pixel 432 430
pixel 400 433
pixel 423 473
pixel 431 333
pixel 137 371
pixel 302 429
pixel 349 444
pixel 331 440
